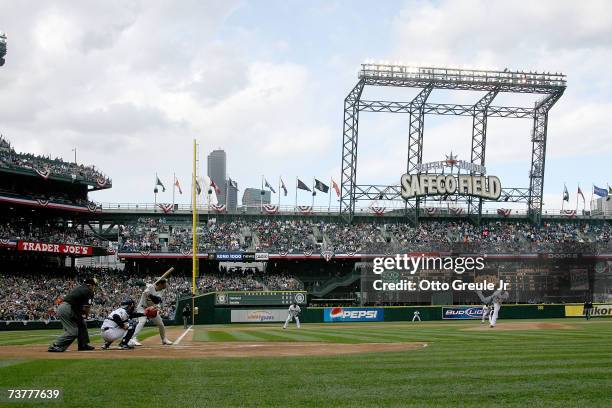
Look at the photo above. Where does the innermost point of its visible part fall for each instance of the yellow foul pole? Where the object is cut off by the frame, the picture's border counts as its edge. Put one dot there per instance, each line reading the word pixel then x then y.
pixel 194 222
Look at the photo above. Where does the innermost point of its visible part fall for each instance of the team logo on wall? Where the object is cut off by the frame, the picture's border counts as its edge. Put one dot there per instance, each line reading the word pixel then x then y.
pixel 327 255
pixel 300 298
pixel 432 179
pixel 221 298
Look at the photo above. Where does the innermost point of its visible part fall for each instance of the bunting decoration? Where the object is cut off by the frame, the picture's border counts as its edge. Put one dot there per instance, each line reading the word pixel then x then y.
pixel 282 252
pixel 350 251
pixel 270 208
pixel 145 252
pixel 42 202
pixel 456 210
pixel 111 251
pixel 92 207
pixel 504 212
pixel 186 251
pixel 101 182
pixel 307 252
pixel 431 210
pixel 327 255
pixel 569 213
pixel 219 207
pixel 305 209
pixel 166 208
pixel 378 210
pixel 44 173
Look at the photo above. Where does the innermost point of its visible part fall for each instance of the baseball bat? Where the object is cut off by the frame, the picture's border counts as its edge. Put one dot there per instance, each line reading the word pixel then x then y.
pixel 165 275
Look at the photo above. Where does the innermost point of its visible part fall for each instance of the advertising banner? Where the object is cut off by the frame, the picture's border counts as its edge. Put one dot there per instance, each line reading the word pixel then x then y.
pixel 65 249
pixel 597 311
pixel 353 314
pixel 261 256
pixel 258 315
pixel 462 312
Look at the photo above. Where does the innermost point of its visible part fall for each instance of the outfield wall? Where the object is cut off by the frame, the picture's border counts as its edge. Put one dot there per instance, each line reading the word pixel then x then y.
pixel 209 314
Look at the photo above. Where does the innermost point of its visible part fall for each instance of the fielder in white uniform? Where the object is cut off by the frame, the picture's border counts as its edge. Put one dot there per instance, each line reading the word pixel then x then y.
pixel 119 325
pixel 151 296
pixel 496 298
pixel 486 312
pixel 294 313
pixel 416 316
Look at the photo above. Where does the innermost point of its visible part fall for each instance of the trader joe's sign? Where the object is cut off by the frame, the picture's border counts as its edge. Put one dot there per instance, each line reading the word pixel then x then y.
pixel 65 249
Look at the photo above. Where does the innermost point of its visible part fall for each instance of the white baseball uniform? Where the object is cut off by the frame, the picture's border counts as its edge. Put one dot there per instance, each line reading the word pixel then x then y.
pixel 486 311
pixel 145 301
pixel 416 316
pixel 496 298
pixel 111 331
pixel 294 312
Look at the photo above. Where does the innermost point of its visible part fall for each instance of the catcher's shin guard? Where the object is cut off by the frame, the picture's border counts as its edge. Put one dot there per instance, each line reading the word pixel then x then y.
pixel 130 332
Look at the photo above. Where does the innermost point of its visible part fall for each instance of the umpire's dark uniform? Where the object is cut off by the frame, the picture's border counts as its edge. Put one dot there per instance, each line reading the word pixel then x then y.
pixel 186 315
pixel 70 313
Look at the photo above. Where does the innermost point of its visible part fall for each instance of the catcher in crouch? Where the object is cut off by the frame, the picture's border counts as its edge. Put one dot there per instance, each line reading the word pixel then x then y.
pixel 120 324
pixel 151 297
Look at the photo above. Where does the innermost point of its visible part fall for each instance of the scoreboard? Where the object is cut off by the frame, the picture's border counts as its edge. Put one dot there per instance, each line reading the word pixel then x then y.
pixel 260 298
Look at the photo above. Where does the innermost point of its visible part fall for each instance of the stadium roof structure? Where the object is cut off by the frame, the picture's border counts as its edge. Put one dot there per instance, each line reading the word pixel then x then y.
pixel 549 86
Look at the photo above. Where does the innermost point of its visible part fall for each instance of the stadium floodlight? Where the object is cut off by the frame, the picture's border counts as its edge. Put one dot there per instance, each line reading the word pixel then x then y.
pixel 2 47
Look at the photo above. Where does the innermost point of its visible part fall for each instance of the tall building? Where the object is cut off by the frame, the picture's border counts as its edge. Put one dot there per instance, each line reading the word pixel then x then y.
pixel 252 197
pixel 232 194
pixel 603 206
pixel 217 171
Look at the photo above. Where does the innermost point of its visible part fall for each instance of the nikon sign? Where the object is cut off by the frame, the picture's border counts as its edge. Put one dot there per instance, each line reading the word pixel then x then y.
pixel 418 185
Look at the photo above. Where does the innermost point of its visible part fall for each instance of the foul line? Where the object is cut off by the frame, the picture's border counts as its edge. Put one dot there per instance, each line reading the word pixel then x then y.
pixel 178 341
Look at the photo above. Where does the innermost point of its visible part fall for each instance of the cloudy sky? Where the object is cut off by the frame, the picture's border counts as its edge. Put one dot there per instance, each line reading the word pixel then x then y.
pixel 130 84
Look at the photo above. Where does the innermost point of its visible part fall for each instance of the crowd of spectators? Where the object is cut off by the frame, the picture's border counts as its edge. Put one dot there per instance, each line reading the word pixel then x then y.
pixel 35 296
pixel 298 236
pixel 49 233
pixel 9 158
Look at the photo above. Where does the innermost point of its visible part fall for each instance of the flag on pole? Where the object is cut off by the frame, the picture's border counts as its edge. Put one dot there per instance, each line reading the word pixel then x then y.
pixel 269 186
pixel 159 183
pixel 580 194
pixel 198 188
pixel 233 183
pixel 601 192
pixel 335 187
pixel 302 186
pixel 565 193
pixel 178 185
pixel 609 193
pixel 284 187
pixel 213 185
pixel 322 187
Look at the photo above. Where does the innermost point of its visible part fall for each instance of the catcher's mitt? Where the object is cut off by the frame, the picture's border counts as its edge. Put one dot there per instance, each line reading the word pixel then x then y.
pixel 150 312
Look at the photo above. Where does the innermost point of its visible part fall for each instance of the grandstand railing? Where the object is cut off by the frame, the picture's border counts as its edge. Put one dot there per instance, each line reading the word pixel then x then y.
pixel 438 211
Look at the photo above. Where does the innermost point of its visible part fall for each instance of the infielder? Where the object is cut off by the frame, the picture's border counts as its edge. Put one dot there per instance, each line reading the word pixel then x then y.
pixel 496 298
pixel 486 312
pixel 119 325
pixel 294 313
pixel 151 296
pixel 416 316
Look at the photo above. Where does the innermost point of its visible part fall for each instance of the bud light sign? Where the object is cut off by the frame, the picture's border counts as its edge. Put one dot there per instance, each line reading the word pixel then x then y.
pixel 353 314
pixel 462 312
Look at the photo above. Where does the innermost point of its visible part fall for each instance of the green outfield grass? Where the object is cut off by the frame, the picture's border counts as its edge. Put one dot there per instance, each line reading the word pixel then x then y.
pixel 493 368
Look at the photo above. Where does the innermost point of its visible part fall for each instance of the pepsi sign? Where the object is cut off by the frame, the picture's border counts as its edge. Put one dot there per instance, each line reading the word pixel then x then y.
pixel 353 314
pixel 462 312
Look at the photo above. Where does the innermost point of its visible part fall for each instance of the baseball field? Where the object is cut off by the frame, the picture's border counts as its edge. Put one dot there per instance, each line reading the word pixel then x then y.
pixel 520 363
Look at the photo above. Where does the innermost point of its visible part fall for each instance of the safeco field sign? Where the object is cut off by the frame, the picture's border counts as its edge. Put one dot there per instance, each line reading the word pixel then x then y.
pixel 353 314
